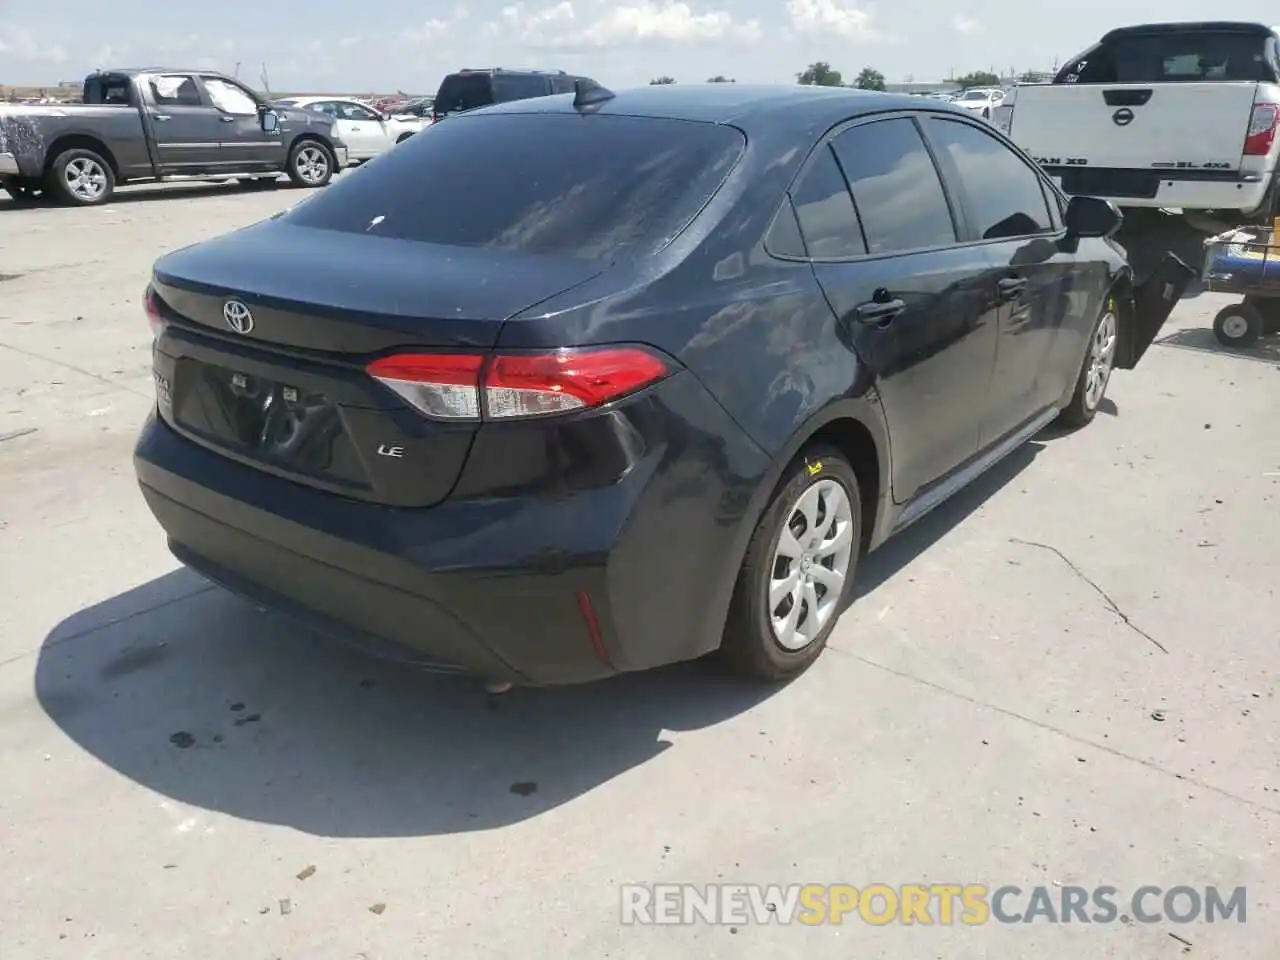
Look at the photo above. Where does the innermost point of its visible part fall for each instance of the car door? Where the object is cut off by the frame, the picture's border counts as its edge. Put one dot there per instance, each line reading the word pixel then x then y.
pixel 365 128
pixel 245 145
pixel 1045 300
pixel 909 298
pixel 186 127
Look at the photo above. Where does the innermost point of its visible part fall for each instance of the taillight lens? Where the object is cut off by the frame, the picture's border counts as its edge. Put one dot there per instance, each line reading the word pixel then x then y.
pixel 151 304
pixel 1262 130
pixel 511 386
pixel 442 386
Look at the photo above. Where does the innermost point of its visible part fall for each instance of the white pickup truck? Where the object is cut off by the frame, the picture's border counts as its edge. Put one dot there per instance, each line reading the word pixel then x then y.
pixel 1175 116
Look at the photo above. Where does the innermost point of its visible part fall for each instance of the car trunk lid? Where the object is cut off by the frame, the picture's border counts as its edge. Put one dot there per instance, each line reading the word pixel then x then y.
pixel 267 333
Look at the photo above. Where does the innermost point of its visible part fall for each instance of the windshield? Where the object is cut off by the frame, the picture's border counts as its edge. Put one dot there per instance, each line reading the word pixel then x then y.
pixel 589 187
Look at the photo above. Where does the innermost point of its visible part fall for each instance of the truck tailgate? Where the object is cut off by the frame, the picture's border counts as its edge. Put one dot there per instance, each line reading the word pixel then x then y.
pixel 1135 126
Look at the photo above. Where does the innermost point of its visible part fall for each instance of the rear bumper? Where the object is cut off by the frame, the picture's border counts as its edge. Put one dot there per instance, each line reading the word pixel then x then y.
pixel 1170 191
pixel 538 589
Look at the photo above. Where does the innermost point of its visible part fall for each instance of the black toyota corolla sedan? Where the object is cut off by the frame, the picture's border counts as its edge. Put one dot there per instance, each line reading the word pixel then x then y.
pixel 585 384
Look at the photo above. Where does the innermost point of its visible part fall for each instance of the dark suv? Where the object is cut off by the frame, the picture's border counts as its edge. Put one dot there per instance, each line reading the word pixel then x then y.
pixel 469 89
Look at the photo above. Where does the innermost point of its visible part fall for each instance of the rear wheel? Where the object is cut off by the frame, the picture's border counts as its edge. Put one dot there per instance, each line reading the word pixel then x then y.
pixel 799 569
pixel 1238 325
pixel 1095 372
pixel 81 177
pixel 310 164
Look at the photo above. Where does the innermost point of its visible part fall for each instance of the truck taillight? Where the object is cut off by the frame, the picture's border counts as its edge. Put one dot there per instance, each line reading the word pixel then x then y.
pixel 1262 130
pixel 151 304
pixel 469 387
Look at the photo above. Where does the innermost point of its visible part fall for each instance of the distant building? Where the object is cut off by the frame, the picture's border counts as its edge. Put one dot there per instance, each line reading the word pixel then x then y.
pixel 917 86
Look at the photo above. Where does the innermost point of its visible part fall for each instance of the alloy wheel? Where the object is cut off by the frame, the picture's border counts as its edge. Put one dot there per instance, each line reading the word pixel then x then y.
pixel 810 564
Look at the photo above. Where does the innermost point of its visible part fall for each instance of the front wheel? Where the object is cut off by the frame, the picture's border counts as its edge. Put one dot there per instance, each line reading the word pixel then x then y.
pixel 310 164
pixel 1095 372
pixel 81 177
pixel 799 569
pixel 1238 326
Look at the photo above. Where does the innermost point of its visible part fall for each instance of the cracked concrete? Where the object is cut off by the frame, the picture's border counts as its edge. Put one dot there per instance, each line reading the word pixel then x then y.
pixel 1066 676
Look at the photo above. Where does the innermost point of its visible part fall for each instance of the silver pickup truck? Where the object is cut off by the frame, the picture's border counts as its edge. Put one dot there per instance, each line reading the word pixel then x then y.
pixel 156 124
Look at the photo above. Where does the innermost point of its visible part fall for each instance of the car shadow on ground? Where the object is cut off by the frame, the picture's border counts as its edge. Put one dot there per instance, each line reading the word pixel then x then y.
pixel 193 190
pixel 1265 350
pixel 210 701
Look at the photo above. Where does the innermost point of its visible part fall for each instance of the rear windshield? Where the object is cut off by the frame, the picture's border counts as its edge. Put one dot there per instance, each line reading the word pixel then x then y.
pixel 463 92
pixel 1173 58
pixel 595 187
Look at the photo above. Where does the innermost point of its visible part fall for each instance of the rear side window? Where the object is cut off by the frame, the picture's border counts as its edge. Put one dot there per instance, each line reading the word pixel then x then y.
pixel 562 84
pixel 175 90
pixel 463 91
pixel 589 187
pixel 900 199
pixel 1174 58
pixel 825 210
pixel 1005 195
pixel 518 87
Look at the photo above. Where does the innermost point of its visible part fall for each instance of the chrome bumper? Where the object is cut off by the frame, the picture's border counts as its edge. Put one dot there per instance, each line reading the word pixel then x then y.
pixel 9 165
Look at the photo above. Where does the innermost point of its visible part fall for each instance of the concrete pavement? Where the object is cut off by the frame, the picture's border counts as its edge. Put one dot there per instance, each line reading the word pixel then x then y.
pixel 1066 676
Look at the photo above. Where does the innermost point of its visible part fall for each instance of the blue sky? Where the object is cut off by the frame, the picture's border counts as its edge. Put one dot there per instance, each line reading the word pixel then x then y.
pixel 411 44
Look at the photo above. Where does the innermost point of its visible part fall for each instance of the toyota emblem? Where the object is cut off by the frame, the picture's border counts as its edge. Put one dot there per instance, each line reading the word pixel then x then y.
pixel 1122 117
pixel 238 316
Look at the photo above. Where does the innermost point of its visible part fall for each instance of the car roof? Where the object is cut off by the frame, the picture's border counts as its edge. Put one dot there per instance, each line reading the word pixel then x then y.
pixel 516 70
pixel 734 103
pixel 1205 26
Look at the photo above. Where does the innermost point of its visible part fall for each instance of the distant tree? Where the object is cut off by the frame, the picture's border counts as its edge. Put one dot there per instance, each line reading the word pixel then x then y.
pixel 820 74
pixel 661 81
pixel 869 79
pixel 721 78
pixel 979 78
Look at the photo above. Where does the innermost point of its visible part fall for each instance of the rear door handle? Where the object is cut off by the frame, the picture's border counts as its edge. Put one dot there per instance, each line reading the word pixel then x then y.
pixel 159 116
pixel 1010 287
pixel 879 312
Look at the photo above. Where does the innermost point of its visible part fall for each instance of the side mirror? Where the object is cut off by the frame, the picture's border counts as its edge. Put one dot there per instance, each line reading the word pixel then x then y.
pixel 270 121
pixel 1091 217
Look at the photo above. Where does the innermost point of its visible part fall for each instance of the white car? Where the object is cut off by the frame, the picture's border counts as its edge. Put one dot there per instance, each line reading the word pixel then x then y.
pixel 364 130
pixel 980 100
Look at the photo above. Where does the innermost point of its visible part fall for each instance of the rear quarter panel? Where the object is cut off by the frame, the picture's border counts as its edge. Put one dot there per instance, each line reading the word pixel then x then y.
pixel 32 134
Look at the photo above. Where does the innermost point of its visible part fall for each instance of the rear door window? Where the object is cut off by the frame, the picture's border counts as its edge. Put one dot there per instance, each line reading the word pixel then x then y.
pixel 516 86
pixel 601 187
pixel 825 211
pixel 175 90
pixel 896 187
pixel 463 91
pixel 562 84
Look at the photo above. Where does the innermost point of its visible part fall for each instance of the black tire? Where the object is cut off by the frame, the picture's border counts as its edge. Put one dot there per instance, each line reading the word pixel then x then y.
pixel 96 184
pixel 1238 326
pixel 1082 408
pixel 302 166
pixel 750 645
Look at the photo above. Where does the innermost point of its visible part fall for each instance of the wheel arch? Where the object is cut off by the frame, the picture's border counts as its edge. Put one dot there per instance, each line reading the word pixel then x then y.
pixel 82 141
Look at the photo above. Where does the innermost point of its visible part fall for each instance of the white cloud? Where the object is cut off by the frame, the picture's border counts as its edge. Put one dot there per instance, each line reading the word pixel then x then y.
pixel 962 24
pixel 435 27
pixel 22 44
pixel 561 25
pixel 832 16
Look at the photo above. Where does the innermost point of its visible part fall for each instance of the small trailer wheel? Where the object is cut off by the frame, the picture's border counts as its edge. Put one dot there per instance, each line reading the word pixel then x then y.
pixel 1238 326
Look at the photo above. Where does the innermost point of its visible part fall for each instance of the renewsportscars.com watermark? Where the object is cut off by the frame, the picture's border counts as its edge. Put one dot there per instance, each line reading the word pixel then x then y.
pixel 921 904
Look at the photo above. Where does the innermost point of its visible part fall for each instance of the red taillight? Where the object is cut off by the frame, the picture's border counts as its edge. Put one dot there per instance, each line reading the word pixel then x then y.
pixel 151 304
pixel 1262 130
pixel 451 386
pixel 443 386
